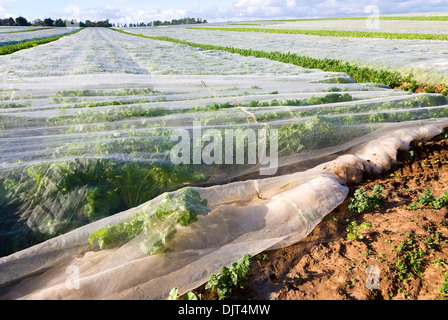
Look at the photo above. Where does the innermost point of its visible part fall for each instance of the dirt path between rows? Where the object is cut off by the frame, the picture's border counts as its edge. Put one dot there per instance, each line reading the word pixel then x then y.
pixel 403 255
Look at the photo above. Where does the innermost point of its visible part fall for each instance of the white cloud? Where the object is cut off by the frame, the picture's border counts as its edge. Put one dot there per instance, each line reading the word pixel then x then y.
pixel 7 2
pixel 72 12
pixel 115 14
pixel 278 9
pixel 5 5
pixel 253 9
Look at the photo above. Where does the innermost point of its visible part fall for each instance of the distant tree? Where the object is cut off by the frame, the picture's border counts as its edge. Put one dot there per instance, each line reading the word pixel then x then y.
pixel 8 22
pixel 104 24
pixel 21 21
pixel 59 23
pixel 177 22
pixel 48 22
pixel 37 22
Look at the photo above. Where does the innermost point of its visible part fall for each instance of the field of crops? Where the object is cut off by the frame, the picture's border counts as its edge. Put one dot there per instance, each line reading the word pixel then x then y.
pixel 17 29
pixel 363 24
pixel 91 132
pixel 426 59
pixel 17 35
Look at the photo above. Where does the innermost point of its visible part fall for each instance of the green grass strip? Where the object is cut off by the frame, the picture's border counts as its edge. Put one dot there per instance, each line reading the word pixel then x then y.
pixel 28 30
pixel 336 33
pixel 410 18
pixel 31 44
pixel 359 74
pixel 435 18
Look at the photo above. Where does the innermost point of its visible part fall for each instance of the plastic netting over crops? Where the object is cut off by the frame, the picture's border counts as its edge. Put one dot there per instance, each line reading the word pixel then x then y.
pixel 13 38
pixel 148 181
pixel 426 59
pixel 7 29
pixel 399 26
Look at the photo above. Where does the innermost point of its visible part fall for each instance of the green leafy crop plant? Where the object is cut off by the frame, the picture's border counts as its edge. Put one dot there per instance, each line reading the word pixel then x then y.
pixel 362 202
pixel 443 289
pixel 137 111
pixel 174 295
pixel 428 199
pixel 229 278
pixel 95 93
pixel 224 282
pixel 411 260
pixel 375 112
pixel 118 234
pixel 353 230
pixel 156 225
pixel 24 104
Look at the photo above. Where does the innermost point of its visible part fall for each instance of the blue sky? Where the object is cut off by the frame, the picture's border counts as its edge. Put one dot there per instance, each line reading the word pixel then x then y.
pixel 217 10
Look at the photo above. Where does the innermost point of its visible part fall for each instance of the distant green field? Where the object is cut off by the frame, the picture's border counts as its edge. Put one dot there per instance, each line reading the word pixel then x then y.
pixel 245 24
pixel 32 43
pixel 28 30
pixel 419 18
pixel 336 33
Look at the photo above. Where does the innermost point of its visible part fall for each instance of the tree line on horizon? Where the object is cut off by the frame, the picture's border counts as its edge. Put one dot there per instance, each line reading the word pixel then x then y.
pixel 48 22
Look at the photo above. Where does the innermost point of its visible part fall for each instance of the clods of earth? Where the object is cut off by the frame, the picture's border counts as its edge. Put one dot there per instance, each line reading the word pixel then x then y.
pixel 396 250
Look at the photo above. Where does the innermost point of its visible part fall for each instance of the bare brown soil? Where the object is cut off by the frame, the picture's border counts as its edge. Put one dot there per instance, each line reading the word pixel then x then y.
pixel 328 266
